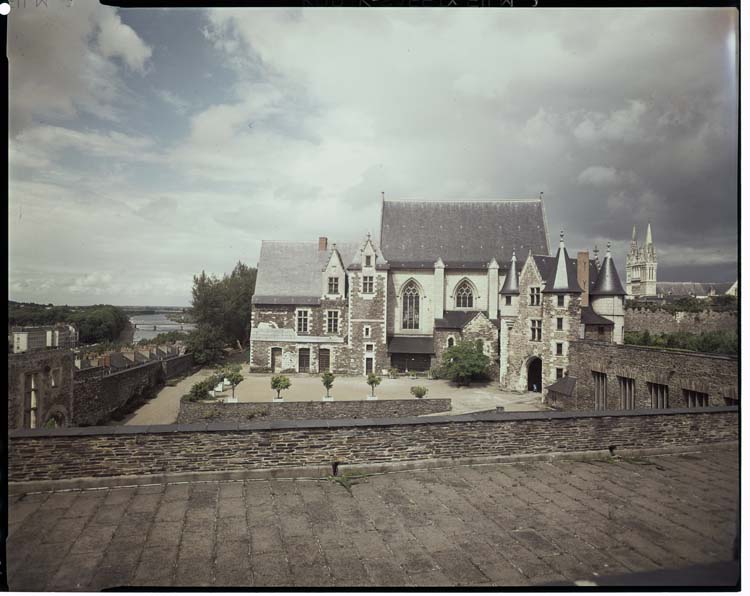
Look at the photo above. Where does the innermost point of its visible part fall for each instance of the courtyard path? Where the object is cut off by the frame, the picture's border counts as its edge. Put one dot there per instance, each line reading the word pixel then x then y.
pixel 164 407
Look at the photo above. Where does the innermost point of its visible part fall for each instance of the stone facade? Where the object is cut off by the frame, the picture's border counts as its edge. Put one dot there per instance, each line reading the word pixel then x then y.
pixel 521 350
pixel 713 375
pixel 40 388
pixel 662 321
pixel 435 275
pixel 195 412
pixel 107 452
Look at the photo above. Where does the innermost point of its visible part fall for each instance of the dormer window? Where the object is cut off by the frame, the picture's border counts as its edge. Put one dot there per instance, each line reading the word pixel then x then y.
pixel 368 260
pixel 464 296
pixel 333 285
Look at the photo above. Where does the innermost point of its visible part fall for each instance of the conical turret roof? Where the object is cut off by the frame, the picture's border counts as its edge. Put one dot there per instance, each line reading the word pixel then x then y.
pixel 562 278
pixel 510 286
pixel 608 282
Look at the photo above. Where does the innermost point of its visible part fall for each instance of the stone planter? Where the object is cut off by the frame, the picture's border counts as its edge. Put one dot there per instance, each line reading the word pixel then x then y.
pixel 278 400
pixel 372 397
pixel 327 398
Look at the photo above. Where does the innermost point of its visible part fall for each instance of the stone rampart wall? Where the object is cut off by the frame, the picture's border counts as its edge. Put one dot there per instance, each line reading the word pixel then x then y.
pixel 715 375
pixel 662 321
pixel 192 412
pixel 107 452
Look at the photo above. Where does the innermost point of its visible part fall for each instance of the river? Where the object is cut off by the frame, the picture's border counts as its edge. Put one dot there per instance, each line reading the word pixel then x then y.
pixel 149 326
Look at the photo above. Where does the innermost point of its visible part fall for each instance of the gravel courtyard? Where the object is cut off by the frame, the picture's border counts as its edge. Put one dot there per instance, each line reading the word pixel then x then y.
pixel 164 407
pixel 513 524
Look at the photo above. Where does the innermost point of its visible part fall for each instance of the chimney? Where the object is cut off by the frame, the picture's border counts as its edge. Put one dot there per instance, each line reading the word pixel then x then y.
pixel 322 243
pixel 583 276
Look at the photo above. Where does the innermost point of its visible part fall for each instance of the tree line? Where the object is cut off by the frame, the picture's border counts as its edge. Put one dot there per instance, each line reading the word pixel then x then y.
pixel 96 324
pixel 709 342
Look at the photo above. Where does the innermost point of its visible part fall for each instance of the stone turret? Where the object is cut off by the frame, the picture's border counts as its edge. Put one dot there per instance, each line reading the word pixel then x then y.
pixel 509 292
pixel 608 295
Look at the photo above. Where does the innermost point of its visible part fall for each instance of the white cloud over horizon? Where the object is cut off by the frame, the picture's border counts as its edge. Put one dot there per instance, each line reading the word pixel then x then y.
pixel 146 166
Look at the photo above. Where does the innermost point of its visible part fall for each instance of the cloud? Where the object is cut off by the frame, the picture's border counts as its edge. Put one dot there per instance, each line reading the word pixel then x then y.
pixel 115 39
pixel 60 61
pixel 623 125
pixel 307 117
pixel 603 176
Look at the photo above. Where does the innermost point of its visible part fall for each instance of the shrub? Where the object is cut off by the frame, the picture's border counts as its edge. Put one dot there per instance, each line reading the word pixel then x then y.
pixel 465 361
pixel 419 392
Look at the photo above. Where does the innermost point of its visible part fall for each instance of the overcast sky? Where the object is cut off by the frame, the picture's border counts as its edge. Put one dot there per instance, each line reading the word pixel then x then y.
pixel 147 145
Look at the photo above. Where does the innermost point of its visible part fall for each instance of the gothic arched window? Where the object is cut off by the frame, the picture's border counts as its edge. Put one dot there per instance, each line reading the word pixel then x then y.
pixel 410 299
pixel 464 296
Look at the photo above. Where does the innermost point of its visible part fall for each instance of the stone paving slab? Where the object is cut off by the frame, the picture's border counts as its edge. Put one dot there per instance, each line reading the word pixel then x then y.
pixel 516 524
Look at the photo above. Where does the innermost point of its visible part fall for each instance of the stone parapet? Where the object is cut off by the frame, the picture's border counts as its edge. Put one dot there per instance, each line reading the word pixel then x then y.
pixel 196 412
pixel 100 452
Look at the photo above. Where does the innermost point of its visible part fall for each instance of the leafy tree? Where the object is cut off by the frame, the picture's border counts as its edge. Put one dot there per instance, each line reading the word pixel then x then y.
pixel 327 378
pixel 233 375
pixel 225 304
pixel 206 345
pixel 279 383
pixel 465 361
pixel 419 392
pixel 373 381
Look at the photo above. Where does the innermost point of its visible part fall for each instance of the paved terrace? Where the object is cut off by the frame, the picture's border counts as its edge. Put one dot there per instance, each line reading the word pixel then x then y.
pixel 513 524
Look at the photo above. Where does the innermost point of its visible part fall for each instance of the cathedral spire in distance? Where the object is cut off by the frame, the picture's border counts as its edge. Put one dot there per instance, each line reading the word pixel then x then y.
pixel 649 240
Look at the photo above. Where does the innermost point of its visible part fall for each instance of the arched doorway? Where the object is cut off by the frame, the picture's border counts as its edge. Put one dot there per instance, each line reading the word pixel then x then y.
pixel 534 376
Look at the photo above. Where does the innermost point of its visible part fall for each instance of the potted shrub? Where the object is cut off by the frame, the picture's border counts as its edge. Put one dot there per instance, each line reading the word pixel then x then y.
pixel 279 383
pixel 373 381
pixel 327 379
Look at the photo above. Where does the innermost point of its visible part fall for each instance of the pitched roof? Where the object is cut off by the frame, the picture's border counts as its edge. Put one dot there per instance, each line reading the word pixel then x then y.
pixel 461 231
pixel 565 385
pixel 589 317
pixel 510 285
pixel 457 319
pixel 562 277
pixel 289 272
pixel 545 264
pixel 607 282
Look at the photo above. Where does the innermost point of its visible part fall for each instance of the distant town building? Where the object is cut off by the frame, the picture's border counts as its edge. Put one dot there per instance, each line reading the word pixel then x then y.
pixel 640 270
pixel 692 289
pixel 29 339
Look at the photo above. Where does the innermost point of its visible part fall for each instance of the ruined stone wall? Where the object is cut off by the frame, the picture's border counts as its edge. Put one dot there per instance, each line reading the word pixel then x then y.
pixel 54 386
pixel 178 366
pixel 94 400
pixel 106 452
pixel 662 321
pixel 707 373
pixel 592 333
pixel 194 412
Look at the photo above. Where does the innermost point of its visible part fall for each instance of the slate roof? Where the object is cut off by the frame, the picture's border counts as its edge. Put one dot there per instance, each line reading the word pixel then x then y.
pixel 688 288
pixel 589 317
pixel 417 233
pixel 546 264
pixel 411 345
pixel 456 319
pixel 510 285
pixel 608 282
pixel 562 276
pixel 565 386
pixel 289 272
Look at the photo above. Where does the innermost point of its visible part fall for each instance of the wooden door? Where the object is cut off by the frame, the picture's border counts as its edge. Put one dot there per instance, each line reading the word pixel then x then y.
pixel 304 360
pixel 324 360
pixel 276 359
